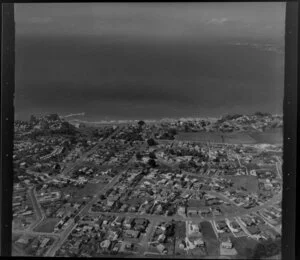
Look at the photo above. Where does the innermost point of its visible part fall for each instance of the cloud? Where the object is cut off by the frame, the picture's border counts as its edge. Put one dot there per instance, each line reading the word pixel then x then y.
pixel 218 20
pixel 78 114
pixel 40 20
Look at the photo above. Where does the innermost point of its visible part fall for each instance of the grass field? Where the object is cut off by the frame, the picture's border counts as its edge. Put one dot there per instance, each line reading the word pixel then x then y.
pixel 248 182
pixel 273 136
pixel 196 203
pixel 47 225
pixel 239 138
pixel 199 137
pixel 88 189
pixel 17 251
pixel 92 188
pixel 209 236
pixel 244 246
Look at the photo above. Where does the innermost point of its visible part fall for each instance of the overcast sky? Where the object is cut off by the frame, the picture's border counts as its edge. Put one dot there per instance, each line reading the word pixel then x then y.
pixel 153 20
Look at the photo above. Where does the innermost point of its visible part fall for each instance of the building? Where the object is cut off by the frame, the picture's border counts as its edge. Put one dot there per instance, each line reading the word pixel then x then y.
pixel 199 242
pixel 23 241
pixel 140 224
pixel 192 211
pixel 105 244
pixel 119 220
pixel 161 238
pixel 193 229
pixel 162 249
pixel 128 222
pixel 227 244
pixel 44 242
pixel 132 233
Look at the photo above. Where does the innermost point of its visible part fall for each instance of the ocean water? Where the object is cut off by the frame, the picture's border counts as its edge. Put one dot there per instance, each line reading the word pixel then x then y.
pixel 110 79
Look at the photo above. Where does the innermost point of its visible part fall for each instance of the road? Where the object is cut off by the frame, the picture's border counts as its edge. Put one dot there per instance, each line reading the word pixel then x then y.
pixel 84 156
pixel 151 217
pixel 85 210
pixel 154 219
pixel 40 213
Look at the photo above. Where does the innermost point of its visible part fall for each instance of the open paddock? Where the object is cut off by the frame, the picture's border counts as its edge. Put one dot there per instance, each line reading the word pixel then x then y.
pixel 47 226
pixel 210 239
pixel 273 136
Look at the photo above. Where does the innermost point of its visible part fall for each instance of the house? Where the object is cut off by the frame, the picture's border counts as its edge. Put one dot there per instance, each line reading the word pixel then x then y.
pixel 221 226
pixel 44 242
pixel 193 229
pixel 234 226
pixel 123 208
pixel 212 201
pixel 125 245
pixel 204 212
pixel 161 238
pixel 181 210
pixel 23 241
pixel 35 243
pixel 199 242
pixel 227 244
pixel 162 249
pixel 119 220
pixel 27 213
pixel 127 223
pixel 217 212
pixel 253 230
pixel 132 233
pixel 246 221
pixel 192 211
pixel 105 244
pixel 140 224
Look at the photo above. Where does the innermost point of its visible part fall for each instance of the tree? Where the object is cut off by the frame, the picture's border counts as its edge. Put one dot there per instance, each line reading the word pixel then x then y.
pixel 151 142
pixel 152 155
pixel 260 251
pixel 173 131
pixel 32 119
pixel 141 123
pixel 138 156
pixel 152 163
pixel 95 133
pixel 181 165
pixel 53 117
pixel 186 128
pixel 248 253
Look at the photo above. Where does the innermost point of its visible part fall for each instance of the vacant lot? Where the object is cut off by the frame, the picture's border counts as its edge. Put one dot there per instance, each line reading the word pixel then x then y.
pixel 209 236
pixel 244 246
pixel 248 182
pixel 196 203
pixel 89 189
pixel 47 225
pixel 274 136
pixel 18 251
pixel 92 188
pixel 199 137
pixel 238 138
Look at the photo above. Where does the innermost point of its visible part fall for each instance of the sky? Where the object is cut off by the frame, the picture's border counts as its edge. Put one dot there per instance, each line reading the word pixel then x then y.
pixel 159 21
pixel 128 60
